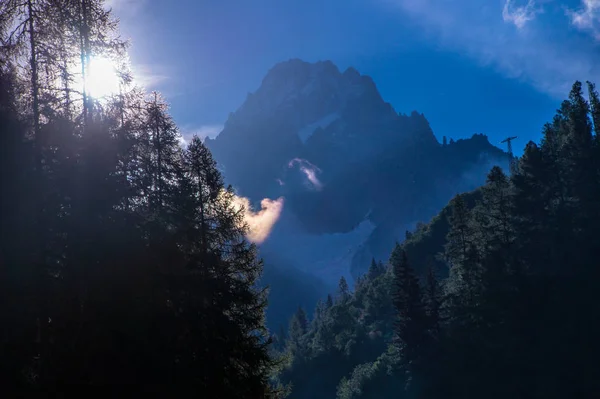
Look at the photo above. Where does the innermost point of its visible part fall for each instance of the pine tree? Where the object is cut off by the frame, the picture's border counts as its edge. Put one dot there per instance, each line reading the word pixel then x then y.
pixel 532 211
pixel 282 337
pixel 329 301
pixel 494 212
pixel 161 140
pixel 208 183
pixel 375 270
pixel 343 293
pixel 302 320
pixel 461 251
pixel 580 128
pixel 578 160
pixel 461 235
pixel 297 329
pixel 433 302
pixel 319 312
pixel 410 328
pixel 570 179
pixel 217 290
pixel 594 108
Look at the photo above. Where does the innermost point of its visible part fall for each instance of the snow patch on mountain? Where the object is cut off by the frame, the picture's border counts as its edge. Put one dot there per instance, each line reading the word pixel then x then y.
pixel 330 267
pixel 325 256
pixel 322 123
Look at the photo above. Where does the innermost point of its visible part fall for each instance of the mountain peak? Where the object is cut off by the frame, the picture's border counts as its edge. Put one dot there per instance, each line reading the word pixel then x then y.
pixel 315 112
pixel 306 92
pixel 351 71
pixel 297 69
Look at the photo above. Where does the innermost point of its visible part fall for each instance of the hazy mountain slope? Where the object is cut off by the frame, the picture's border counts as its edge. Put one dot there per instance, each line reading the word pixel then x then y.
pixel 289 288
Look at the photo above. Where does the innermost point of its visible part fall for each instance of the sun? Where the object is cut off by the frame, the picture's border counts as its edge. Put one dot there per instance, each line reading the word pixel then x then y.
pixel 102 79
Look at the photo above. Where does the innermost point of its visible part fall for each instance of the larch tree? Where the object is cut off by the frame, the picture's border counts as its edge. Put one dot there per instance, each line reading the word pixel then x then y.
pixel 139 269
pixel 162 139
pixel 215 301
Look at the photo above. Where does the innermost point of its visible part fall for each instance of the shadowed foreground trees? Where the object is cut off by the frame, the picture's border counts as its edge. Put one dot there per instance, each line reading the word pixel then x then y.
pixel 123 259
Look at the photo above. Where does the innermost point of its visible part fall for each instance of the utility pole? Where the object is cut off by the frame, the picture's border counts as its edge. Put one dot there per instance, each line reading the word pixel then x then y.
pixel 511 159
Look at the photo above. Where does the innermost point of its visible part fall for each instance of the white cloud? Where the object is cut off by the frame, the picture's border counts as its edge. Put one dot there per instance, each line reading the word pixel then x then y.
pixel 188 131
pixel 519 15
pixel 547 60
pixel 587 18
pixel 260 223
pixel 309 170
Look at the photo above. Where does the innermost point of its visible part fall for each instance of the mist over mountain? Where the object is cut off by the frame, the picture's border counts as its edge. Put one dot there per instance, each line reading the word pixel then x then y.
pixel 355 173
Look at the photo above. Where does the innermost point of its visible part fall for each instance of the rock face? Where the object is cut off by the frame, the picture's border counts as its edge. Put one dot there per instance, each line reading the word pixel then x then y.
pixel 342 156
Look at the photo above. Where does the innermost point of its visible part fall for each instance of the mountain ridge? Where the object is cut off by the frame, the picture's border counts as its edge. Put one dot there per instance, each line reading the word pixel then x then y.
pixel 345 110
pixel 340 155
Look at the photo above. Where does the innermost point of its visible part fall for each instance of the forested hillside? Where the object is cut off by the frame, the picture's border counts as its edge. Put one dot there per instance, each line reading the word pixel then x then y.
pixel 123 261
pixel 492 299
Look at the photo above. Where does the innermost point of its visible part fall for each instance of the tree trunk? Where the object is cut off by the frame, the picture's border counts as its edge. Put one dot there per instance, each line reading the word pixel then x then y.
pixel 157 145
pixel 202 216
pixel 42 316
pixel 85 58
pixel 34 87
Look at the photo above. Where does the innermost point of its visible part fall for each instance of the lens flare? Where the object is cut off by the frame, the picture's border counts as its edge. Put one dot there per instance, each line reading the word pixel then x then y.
pixel 102 79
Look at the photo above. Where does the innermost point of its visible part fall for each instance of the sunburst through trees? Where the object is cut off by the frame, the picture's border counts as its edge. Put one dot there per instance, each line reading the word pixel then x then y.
pixel 114 269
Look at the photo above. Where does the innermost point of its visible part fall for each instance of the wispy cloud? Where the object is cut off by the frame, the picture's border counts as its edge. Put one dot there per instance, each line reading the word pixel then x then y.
pixel 309 170
pixel 311 175
pixel 546 57
pixel 587 17
pixel 519 15
pixel 260 223
pixel 148 76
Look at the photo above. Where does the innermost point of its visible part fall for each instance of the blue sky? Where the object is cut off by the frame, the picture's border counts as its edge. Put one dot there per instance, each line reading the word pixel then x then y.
pixel 499 67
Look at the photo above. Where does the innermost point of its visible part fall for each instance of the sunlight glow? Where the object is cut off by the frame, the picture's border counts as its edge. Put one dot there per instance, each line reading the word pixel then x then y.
pixel 102 79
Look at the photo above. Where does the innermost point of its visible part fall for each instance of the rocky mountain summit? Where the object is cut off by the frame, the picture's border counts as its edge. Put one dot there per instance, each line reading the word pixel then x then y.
pixel 344 160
